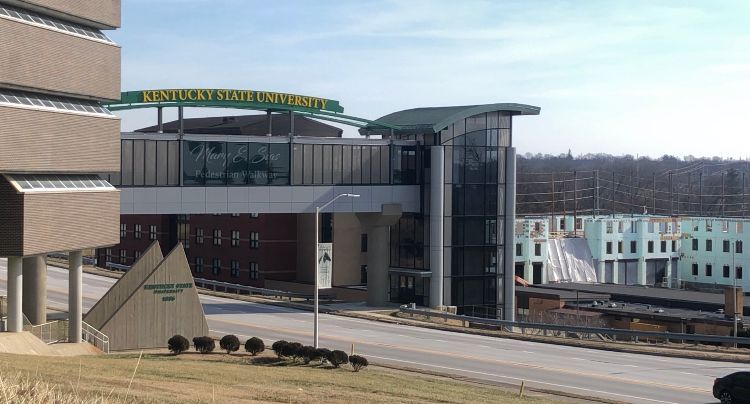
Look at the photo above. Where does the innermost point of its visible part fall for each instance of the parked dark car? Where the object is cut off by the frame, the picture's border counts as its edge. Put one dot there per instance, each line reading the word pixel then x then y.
pixel 733 388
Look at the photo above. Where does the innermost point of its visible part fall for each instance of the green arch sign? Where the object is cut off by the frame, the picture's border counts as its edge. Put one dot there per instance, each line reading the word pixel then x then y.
pixel 226 98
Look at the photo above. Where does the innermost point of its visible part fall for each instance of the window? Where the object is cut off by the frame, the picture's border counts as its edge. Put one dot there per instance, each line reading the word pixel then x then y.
pixel 562 224
pixel 663 246
pixel 137 232
pixel 216 266
pixel 609 247
pixel 217 237
pixel 253 270
pixel 579 224
pixel 634 227
pixel 709 270
pixel 725 246
pixel 609 227
pixel 709 245
pixel 519 249
pixel 123 230
pixel 620 227
pixel 235 269
pixel 738 246
pixel 152 232
pixel 619 247
pixel 633 246
pixel 55 24
pixel 725 271
pixel 199 236
pixel 254 239
pixel 538 249
pixel 123 256
pixel 695 269
pixel 198 265
pixel 235 215
pixel 709 225
pixel 108 255
pixel 254 215
pixel 695 244
pixel 363 242
pixel 738 272
pixel 724 226
pixel 235 238
pixel 674 245
pixel 137 255
pixel 651 227
pixel 650 246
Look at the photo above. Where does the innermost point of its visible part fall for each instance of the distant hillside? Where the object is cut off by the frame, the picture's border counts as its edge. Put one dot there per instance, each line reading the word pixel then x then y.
pixel 624 184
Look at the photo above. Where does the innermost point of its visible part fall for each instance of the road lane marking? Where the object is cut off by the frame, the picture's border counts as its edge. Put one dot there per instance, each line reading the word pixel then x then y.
pixel 518 379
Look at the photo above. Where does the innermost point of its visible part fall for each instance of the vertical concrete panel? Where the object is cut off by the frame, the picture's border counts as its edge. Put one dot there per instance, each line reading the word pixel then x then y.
pixel 347 255
pixel 509 286
pixel 437 178
pixel 35 289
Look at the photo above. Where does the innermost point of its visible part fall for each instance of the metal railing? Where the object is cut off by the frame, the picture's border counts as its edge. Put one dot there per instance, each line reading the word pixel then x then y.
pixel 578 332
pixel 94 337
pixel 50 332
pixel 237 288
pixel 116 266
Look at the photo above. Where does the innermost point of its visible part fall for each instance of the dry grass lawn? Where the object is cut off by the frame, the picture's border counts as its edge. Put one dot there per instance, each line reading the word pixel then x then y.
pixel 221 378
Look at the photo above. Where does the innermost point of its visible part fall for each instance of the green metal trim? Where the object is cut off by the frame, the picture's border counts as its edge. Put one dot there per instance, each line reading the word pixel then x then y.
pixel 333 111
pixel 522 109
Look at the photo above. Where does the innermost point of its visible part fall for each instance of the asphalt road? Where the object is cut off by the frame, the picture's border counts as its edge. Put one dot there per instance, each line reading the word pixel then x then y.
pixel 619 376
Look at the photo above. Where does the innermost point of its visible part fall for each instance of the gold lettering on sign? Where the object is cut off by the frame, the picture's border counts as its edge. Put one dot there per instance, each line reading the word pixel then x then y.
pixel 233 95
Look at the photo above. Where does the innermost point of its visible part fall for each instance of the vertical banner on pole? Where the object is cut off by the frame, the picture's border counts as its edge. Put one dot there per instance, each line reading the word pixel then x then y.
pixel 325 265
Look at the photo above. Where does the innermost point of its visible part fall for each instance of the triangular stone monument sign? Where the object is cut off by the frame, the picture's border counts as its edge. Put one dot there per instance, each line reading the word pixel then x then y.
pixel 153 301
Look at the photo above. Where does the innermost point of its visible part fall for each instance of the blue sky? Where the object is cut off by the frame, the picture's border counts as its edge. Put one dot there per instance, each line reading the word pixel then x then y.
pixel 619 77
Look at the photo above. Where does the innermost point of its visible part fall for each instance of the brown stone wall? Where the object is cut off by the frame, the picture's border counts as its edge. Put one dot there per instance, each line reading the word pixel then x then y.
pixel 69 221
pixel 103 13
pixel 43 59
pixel 46 141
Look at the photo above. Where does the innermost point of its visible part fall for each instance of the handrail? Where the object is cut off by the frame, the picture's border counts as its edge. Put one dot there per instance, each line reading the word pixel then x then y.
pixel 259 291
pixel 578 329
pixel 95 337
pixel 49 332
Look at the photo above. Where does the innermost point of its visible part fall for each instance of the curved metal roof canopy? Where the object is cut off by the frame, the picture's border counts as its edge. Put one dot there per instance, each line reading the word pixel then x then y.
pixel 435 119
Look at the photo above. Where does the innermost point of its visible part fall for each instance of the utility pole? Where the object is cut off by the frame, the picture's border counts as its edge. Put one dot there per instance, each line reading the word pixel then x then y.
pixel 671 195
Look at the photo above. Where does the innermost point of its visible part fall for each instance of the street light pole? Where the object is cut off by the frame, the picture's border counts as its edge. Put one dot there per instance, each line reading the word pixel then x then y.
pixel 317 260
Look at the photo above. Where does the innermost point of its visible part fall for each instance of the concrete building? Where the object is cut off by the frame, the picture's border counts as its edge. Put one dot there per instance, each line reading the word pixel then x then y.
pixel 56 68
pixel 676 252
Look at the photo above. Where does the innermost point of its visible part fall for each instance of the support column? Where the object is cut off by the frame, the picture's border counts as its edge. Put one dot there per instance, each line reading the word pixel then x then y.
pixel 437 173
pixel 378 256
pixel 35 289
pixel 601 275
pixel 15 294
pixel 668 272
pixel 75 296
pixel 641 276
pixel 615 272
pixel 507 289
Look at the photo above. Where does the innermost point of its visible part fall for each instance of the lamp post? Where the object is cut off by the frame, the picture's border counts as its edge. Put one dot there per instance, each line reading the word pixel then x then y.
pixel 317 260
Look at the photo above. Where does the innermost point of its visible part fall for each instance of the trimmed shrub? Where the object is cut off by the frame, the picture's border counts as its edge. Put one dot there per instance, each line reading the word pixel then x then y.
pixel 204 345
pixel 308 353
pixel 358 362
pixel 255 346
pixel 279 348
pixel 178 344
pixel 294 350
pixel 337 358
pixel 229 343
pixel 321 354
